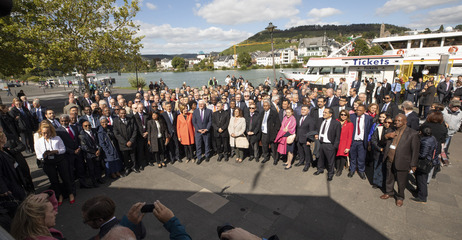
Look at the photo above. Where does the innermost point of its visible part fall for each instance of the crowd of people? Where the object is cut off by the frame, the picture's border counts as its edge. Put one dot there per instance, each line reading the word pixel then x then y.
pixel 332 128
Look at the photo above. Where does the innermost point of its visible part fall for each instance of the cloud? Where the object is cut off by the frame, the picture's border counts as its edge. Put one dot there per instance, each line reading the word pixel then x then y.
pixel 393 6
pixel 323 12
pixel 167 39
pixel 151 6
pixel 232 12
pixel 443 16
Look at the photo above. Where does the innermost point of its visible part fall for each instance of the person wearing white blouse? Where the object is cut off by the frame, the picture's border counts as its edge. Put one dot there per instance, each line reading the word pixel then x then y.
pixel 49 148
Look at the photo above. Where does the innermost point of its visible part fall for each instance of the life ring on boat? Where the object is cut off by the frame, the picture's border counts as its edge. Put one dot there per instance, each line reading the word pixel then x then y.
pixel 400 52
pixel 453 49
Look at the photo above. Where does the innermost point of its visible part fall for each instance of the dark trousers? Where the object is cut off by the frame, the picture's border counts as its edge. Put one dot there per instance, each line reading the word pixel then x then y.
pixel 396 97
pixel 188 151
pixel 265 142
pixel 423 110
pixel 254 149
pixel 199 139
pixel 28 140
pixel 141 152
pixel 129 158
pixel 222 144
pixel 394 175
pixel 357 156
pixel 56 168
pixel 94 169
pixel 379 169
pixel 379 99
pixel 421 179
pixel 327 154
pixel 173 148
pixel 340 163
pixel 369 98
pixel 304 153
pixel 158 157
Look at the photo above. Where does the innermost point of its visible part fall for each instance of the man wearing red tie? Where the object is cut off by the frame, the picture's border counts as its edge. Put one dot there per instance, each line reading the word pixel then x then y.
pixel 362 126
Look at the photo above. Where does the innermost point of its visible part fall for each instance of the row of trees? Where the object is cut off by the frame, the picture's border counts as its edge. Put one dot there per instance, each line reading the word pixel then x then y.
pixel 68 35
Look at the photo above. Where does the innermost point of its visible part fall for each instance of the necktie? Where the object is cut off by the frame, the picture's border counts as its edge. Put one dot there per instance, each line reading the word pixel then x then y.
pixel 384 109
pixel 301 121
pixel 265 120
pixel 25 105
pixel 202 115
pixel 447 87
pixel 89 101
pixel 91 121
pixel 251 116
pixel 92 137
pixel 109 120
pixel 323 130
pixel 22 111
pixel 359 129
pixel 171 117
pixel 394 88
pixel 70 132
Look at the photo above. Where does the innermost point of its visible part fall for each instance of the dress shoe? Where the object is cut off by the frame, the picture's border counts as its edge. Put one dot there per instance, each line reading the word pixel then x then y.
pixel 285 164
pixel 265 160
pixel 318 172
pixel 113 176
pixel 299 164
pixel 305 169
pixel 141 168
pixel 419 200
pixel 251 158
pixel 338 173
pixel 399 203
pixel 60 203
pixel 275 163
pixel 350 174
pixel 257 159
pixel 180 161
pixel 136 170
pixel 159 165
pixel 226 158
pixel 100 181
pixel 199 161
pixel 84 185
pixel 72 201
pixel 374 186
pixel 362 175
pixel 232 154
pixel 150 164
pixel 219 158
pixel 287 168
pixel 207 159
pixel 385 196
pixel 329 178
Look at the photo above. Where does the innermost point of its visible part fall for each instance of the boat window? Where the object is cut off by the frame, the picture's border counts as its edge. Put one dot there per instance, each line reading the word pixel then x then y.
pixel 415 43
pixel 313 70
pixel 452 41
pixel 432 42
pixel 385 46
pixel 324 70
pixel 339 70
pixel 399 44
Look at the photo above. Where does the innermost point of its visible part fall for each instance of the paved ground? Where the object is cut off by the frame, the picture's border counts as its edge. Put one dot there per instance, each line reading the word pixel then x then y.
pixel 266 200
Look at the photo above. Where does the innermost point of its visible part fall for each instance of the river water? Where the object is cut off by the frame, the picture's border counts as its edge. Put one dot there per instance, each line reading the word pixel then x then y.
pixel 196 79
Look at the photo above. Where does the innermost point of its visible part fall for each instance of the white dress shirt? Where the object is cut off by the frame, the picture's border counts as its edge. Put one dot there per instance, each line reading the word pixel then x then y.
pixel 42 145
pixel 264 124
pixel 323 135
pixel 359 137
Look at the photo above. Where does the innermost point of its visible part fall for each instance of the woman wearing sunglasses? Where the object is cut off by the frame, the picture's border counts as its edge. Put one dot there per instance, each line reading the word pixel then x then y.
pixel 346 136
pixel 378 143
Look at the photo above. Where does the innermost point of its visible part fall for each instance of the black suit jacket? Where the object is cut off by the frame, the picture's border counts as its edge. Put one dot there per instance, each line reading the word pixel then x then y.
pixel 413 121
pixel 349 104
pixel 333 133
pixel 70 144
pixel 273 124
pixel 337 111
pixel 407 151
pixel 441 88
pixel 379 93
pixel 84 103
pixel 370 88
pixel 387 88
pixel 335 102
pixel 392 109
pixel 25 122
pixel 331 85
pixel 125 132
pixel 308 125
pixel 255 127
pixel 42 111
pixel 314 113
pixel 89 145
pixel 220 119
pixel 139 123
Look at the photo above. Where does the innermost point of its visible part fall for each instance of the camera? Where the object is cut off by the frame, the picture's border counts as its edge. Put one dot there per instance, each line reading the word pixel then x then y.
pixel 224 228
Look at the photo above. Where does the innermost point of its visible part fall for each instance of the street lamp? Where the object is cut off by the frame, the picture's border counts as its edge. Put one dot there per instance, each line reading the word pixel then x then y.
pixel 270 29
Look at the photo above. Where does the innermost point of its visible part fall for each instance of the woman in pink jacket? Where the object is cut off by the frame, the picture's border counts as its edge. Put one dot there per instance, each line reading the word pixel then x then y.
pixel 288 126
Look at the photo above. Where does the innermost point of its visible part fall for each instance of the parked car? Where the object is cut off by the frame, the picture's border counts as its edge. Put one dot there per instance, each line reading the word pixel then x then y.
pixel 14 84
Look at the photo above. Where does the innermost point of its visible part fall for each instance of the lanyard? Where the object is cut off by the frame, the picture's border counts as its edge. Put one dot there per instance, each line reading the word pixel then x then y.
pixel 45 143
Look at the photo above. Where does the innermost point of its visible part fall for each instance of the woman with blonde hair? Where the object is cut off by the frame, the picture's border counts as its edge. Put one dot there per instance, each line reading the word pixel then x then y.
pixel 236 129
pixel 36 217
pixel 50 149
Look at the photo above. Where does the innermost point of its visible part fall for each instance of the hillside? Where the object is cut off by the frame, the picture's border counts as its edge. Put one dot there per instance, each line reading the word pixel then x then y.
pixel 339 32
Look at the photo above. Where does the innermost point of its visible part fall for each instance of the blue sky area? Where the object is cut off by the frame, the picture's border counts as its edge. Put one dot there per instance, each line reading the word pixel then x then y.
pixel 190 26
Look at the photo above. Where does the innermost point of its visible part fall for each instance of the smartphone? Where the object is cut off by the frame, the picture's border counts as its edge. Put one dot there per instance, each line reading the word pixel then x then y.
pixel 147 208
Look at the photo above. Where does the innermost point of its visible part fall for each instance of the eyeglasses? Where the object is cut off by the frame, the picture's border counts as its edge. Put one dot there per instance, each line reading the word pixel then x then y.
pixel 387 98
pixel 86 125
pixel 251 108
pixel 343 114
pixel 388 122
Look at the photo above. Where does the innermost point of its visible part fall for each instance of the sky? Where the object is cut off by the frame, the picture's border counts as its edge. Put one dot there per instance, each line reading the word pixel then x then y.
pixel 191 26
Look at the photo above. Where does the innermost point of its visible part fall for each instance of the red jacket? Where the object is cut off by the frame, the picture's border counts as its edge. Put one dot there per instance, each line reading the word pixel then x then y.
pixel 346 137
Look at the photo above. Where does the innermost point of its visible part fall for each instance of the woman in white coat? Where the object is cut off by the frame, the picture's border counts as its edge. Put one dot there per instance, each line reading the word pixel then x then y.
pixel 236 131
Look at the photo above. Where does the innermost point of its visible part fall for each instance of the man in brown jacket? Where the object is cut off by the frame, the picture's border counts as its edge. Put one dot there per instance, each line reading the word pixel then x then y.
pixel 401 153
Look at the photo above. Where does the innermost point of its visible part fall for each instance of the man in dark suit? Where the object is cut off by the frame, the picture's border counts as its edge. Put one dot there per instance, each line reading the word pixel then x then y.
pixel 86 100
pixel 331 84
pixel 141 122
pixel 317 113
pixel 362 126
pixel 356 84
pixel 25 123
pixel 386 86
pixel 282 110
pixel 253 132
pixel 370 85
pixel 329 137
pixel 125 133
pixel 295 104
pixel 202 122
pixel 411 116
pixel 91 151
pixel 379 92
pixel 89 116
pixel 270 125
pixel 38 112
pixel 342 106
pixel 388 106
pixel 170 120
pixel 304 126
pixel 70 136
pixel 331 99
pixel 220 122
pixel 444 90
pixel 401 155
pixel 353 97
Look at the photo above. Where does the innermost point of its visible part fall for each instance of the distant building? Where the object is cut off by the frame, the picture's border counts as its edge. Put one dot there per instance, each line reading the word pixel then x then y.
pixel 166 63
pixel 223 61
pixel 265 58
pixel 316 46
pixel 288 55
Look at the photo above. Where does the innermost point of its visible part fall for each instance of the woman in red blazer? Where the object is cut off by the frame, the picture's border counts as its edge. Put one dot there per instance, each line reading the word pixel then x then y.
pixel 185 131
pixel 346 136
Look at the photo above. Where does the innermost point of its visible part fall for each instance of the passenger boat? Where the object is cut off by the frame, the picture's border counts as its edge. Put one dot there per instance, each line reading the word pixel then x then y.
pixel 420 56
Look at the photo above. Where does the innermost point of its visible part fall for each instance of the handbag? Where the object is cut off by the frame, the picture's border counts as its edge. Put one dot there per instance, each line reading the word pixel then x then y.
pixel 290 139
pixel 424 166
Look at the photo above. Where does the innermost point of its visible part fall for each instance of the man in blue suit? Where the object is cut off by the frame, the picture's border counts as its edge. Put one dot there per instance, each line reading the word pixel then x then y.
pixel 202 121
pixel 362 126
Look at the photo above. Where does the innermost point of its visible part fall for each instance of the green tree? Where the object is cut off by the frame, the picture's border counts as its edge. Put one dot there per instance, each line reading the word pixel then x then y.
pixel 178 63
pixel 427 30
pixel 81 35
pixel 134 83
pixel 361 48
pixel 375 50
pixel 441 29
pixel 458 27
pixel 244 59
